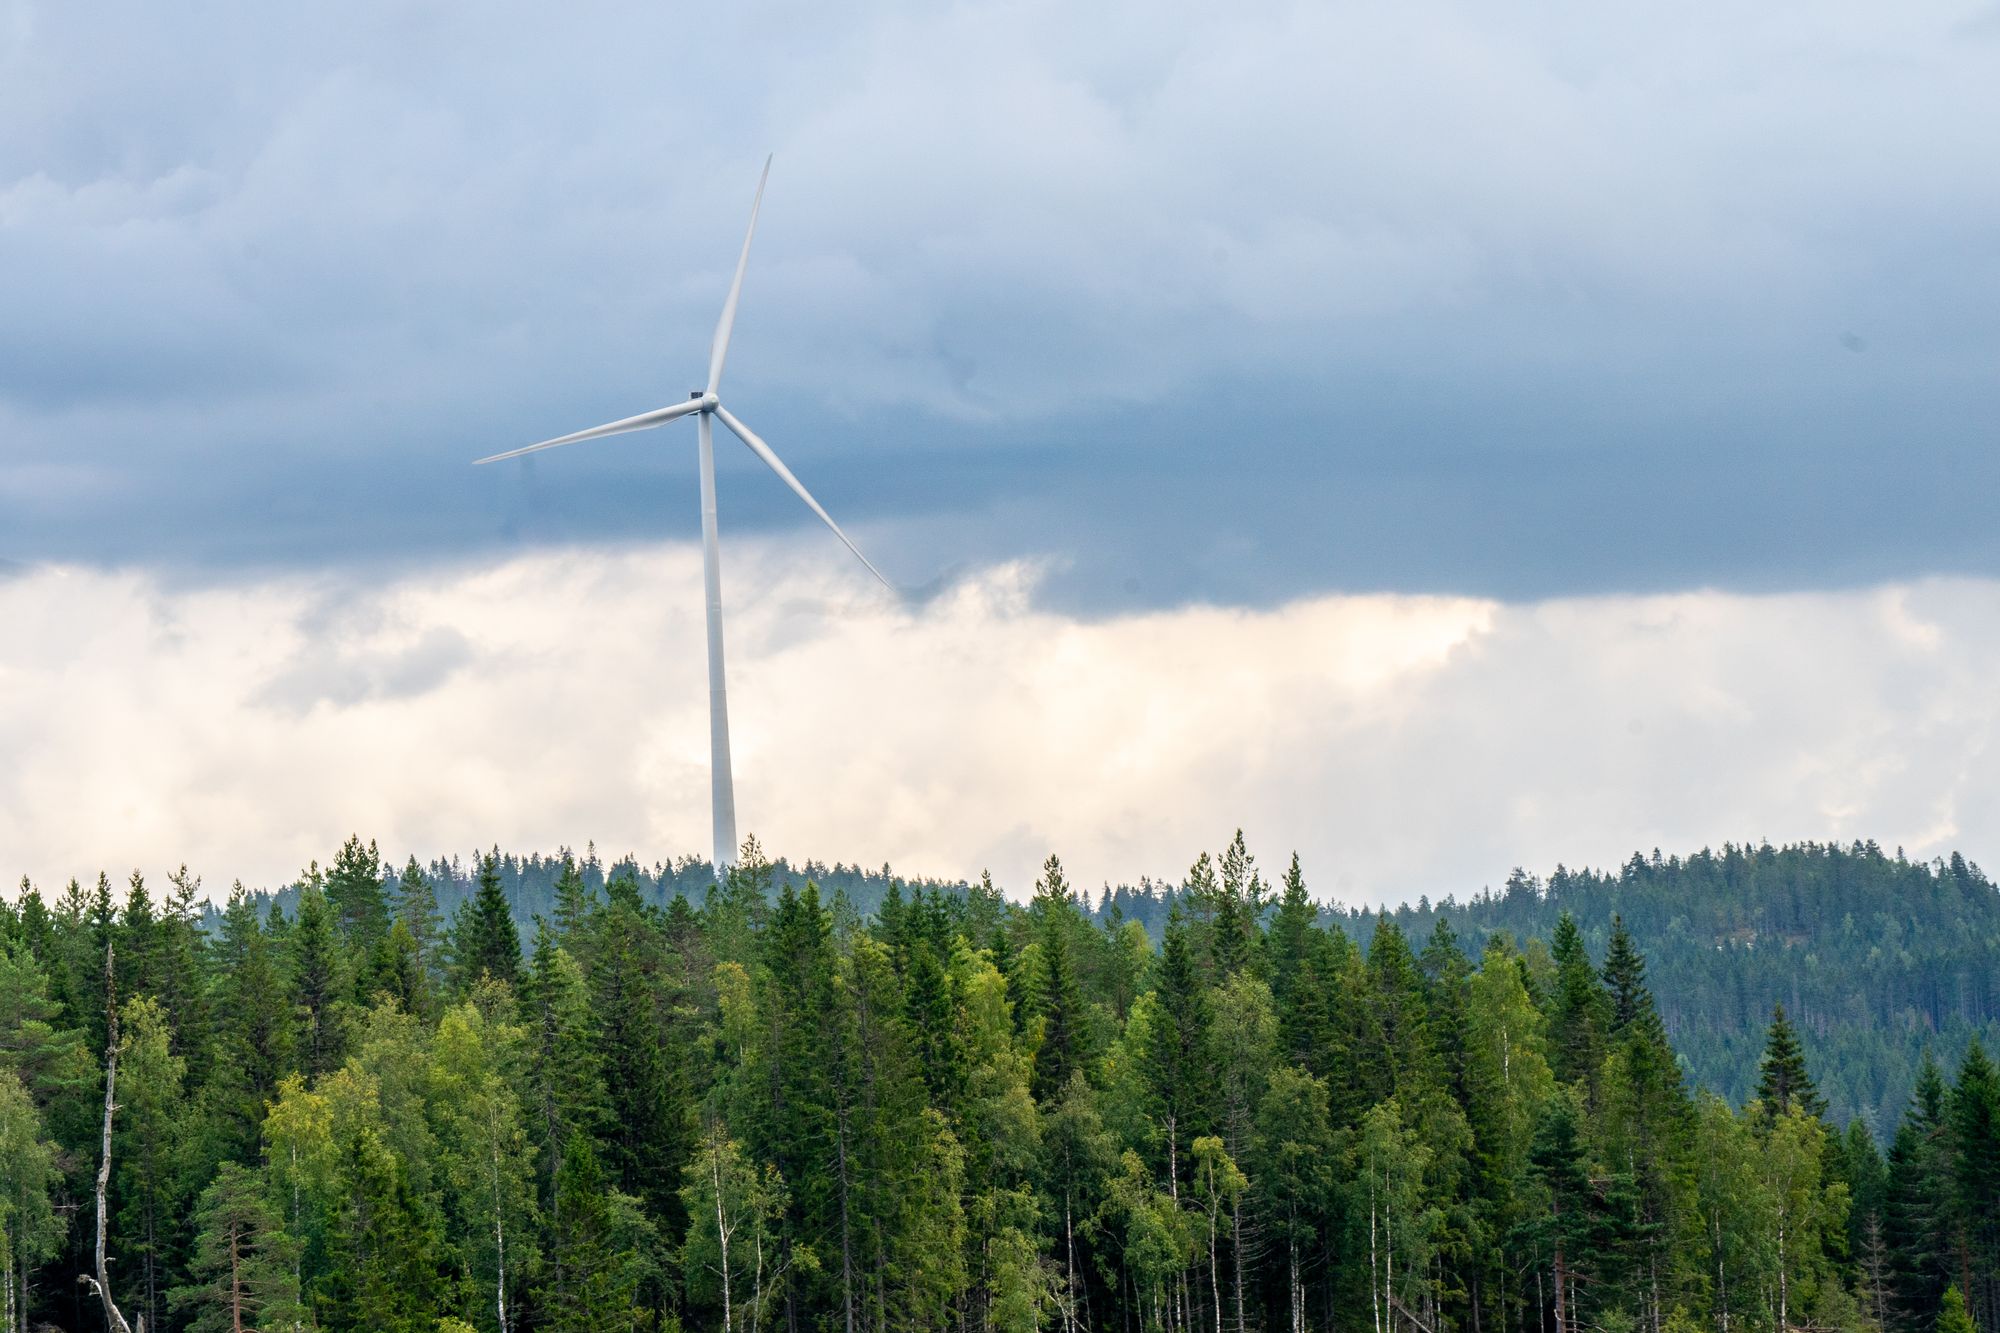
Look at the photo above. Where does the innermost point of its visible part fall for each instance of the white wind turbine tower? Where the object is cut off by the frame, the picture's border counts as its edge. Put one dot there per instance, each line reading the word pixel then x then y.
pixel 703 404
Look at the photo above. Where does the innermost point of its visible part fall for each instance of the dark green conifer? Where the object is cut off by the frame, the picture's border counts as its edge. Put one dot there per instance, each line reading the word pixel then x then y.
pixel 1577 1007
pixel 1057 999
pixel 485 942
pixel 318 985
pixel 354 895
pixel 417 908
pixel 1783 1083
pixel 1178 1064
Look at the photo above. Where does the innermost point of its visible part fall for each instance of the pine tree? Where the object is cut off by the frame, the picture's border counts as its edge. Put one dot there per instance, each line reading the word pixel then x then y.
pixel 1394 1048
pixel 241 1263
pixel 1078 1156
pixel 382 1265
pixel 1294 1178
pixel 355 896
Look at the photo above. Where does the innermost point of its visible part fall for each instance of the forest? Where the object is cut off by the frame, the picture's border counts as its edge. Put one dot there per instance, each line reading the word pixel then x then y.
pixel 375 1102
pixel 1879 959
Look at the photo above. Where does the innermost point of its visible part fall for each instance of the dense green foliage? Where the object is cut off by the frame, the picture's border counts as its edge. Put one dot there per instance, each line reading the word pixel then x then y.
pixel 754 1108
pixel 1876 959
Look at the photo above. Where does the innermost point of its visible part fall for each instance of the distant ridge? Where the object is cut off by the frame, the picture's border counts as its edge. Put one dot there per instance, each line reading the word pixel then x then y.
pixel 1876 957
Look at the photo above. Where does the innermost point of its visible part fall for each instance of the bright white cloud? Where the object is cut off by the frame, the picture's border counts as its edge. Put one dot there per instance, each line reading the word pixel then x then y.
pixel 1401 744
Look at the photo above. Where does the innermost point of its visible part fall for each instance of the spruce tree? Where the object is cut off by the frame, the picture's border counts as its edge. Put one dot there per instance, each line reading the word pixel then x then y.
pixel 253 1032
pixel 644 1067
pixel 1291 928
pixel 319 986
pixel 1917 1215
pixel 484 940
pixel 565 1079
pixel 1058 1000
pixel 1975 1142
pixel 1577 1007
pixel 595 1265
pixel 417 910
pixel 1177 1062
pixel 1783 1083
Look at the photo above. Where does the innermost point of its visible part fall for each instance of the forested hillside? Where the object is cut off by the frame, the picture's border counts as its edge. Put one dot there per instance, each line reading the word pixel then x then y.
pixel 1879 959
pixel 755 1109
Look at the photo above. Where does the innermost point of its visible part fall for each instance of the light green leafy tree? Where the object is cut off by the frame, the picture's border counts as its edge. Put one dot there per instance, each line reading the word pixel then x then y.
pixel 30 1227
pixel 487 1163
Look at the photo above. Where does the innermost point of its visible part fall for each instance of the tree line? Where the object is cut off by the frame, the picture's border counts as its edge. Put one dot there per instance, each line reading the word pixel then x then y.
pixel 766 1110
pixel 1879 959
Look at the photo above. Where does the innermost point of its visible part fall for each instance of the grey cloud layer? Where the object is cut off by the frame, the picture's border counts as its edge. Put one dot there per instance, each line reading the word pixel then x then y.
pixel 1234 306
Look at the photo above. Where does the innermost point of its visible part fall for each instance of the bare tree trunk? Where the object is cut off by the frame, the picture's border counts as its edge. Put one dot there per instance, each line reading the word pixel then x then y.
pixel 102 1281
pixel 1374 1263
pixel 499 1239
pixel 1562 1281
pixel 1069 1263
pixel 721 1225
pixel 1784 1287
pixel 846 1233
pixel 235 1284
pixel 1721 1273
pixel 1214 1281
pixel 1236 1252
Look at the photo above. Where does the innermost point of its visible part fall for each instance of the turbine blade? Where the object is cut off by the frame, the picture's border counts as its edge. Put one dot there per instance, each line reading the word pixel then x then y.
pixel 719 350
pixel 763 451
pixel 643 421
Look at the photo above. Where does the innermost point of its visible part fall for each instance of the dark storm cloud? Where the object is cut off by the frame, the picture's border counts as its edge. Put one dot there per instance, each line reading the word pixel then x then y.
pixel 1225 307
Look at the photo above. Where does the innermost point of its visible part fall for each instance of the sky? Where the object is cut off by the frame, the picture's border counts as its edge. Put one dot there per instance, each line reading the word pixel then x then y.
pixel 1435 437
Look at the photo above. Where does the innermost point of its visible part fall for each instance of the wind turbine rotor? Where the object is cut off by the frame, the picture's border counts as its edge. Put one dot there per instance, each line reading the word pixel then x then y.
pixel 719 350
pixel 777 465
pixel 644 421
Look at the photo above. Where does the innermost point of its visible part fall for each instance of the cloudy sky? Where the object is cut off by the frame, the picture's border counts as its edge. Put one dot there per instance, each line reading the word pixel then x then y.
pixel 1433 437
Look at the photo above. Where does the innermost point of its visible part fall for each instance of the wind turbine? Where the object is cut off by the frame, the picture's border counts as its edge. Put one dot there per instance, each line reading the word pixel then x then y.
pixel 705 406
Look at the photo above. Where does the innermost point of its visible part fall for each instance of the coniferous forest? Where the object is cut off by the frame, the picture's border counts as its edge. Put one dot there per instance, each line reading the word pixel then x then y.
pixel 379 1103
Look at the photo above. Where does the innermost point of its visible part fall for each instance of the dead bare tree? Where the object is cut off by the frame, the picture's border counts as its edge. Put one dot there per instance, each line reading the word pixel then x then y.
pixel 101 1283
